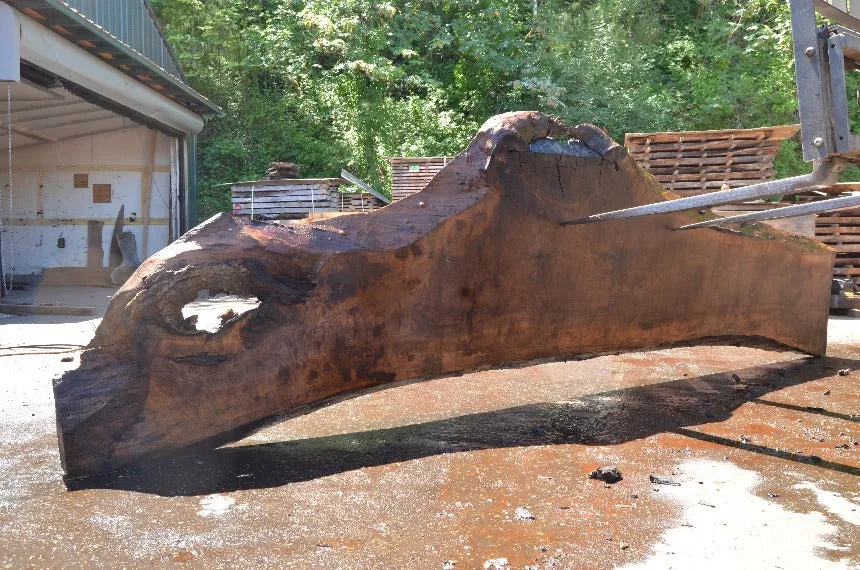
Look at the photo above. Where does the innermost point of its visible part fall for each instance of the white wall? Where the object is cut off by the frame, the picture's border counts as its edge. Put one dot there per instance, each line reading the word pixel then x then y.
pixel 10 44
pixel 46 206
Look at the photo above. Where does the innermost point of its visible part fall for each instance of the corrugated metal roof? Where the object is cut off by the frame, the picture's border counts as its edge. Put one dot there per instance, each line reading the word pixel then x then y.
pixel 133 23
pixel 124 34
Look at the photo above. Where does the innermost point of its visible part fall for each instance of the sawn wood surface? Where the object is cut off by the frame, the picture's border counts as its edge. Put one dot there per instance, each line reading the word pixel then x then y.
pixel 473 271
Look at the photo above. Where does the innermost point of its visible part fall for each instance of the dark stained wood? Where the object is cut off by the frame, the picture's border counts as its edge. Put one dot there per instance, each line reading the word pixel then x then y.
pixel 475 270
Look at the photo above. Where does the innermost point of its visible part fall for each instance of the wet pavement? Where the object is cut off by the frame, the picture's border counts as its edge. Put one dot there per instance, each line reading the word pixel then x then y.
pixel 742 456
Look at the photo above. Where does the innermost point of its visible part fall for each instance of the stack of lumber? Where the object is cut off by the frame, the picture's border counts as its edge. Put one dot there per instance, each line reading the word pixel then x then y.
pixel 411 174
pixel 697 162
pixel 841 231
pixel 285 199
pixel 357 202
pixel 282 171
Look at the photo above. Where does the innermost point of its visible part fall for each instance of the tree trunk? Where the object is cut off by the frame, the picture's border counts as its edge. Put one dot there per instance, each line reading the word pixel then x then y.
pixel 475 270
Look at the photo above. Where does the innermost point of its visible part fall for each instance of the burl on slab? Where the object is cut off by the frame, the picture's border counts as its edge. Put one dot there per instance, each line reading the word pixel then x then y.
pixel 474 270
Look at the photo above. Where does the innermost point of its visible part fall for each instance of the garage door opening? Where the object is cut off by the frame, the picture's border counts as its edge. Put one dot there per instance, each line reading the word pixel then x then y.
pixel 82 174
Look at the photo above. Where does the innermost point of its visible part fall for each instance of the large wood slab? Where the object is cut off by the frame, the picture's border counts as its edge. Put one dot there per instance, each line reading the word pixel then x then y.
pixel 475 270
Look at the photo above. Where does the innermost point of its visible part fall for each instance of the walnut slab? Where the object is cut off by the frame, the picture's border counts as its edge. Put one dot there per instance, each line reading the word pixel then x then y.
pixel 475 270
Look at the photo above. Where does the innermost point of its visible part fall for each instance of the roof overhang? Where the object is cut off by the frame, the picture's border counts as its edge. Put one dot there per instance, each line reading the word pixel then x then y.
pixel 43 115
pixel 51 53
pixel 75 27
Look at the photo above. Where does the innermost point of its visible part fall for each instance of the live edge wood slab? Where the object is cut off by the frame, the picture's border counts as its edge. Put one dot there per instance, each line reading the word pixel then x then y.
pixel 475 270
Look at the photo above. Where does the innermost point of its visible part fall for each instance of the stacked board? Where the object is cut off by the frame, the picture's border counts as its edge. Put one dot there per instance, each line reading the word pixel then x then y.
pixel 411 174
pixel 357 202
pixel 696 162
pixel 285 199
pixel 841 231
pixel 293 199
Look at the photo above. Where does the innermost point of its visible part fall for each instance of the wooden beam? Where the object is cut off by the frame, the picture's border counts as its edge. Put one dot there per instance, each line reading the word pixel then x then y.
pixel 778 133
pixel 70 108
pixel 56 222
pixel 45 140
pixel 34 136
pixel 146 194
pixel 11 309
pixel 89 116
pixel 65 168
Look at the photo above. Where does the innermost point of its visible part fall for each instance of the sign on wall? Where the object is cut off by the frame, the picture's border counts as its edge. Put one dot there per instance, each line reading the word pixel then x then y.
pixel 101 193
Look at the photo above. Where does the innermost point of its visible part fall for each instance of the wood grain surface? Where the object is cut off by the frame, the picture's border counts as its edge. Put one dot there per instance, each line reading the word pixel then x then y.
pixel 473 271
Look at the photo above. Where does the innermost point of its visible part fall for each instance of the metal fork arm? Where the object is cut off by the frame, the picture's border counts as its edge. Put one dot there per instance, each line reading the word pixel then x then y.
pixel 824 173
pixel 831 205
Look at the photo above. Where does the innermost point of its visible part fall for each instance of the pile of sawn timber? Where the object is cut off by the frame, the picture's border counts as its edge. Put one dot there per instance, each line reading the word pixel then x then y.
pixel 841 231
pixel 411 174
pixel 697 162
pixel 285 199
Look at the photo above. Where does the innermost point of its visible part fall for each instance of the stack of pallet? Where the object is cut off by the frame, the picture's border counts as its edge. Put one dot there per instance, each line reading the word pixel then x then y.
pixel 411 174
pixel 697 162
pixel 357 202
pixel 841 231
pixel 285 199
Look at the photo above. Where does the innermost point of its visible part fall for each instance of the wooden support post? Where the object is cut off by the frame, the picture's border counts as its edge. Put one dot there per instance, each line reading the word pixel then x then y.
pixel 95 248
pixel 146 194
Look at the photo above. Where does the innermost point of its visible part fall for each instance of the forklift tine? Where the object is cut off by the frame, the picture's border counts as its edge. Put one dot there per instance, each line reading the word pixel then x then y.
pixel 788 212
pixel 823 173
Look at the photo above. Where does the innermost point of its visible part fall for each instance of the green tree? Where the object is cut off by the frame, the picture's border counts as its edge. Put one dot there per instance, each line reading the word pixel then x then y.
pixel 346 83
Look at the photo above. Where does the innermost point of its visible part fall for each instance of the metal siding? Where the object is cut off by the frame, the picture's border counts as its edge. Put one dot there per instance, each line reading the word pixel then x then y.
pixel 130 22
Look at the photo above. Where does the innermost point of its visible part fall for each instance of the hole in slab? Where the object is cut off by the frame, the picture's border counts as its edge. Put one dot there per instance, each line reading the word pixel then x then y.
pixel 214 312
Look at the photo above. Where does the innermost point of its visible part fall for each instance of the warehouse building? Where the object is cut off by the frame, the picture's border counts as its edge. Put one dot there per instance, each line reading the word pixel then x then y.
pixel 97 120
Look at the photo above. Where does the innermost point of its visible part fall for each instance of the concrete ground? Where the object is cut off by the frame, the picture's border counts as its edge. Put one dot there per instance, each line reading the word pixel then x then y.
pixel 742 457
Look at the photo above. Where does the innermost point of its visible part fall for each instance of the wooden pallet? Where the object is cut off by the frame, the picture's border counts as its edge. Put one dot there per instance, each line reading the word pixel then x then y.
pixel 411 174
pixel 357 202
pixel 841 231
pixel 696 162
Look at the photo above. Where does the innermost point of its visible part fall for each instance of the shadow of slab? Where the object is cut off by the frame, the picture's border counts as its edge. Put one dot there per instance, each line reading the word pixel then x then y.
pixel 605 418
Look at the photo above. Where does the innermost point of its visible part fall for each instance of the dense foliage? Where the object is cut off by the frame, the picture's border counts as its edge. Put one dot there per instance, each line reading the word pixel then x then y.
pixel 345 83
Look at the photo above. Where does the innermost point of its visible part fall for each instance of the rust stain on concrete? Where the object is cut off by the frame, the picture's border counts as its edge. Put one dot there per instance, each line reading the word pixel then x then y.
pixel 435 471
